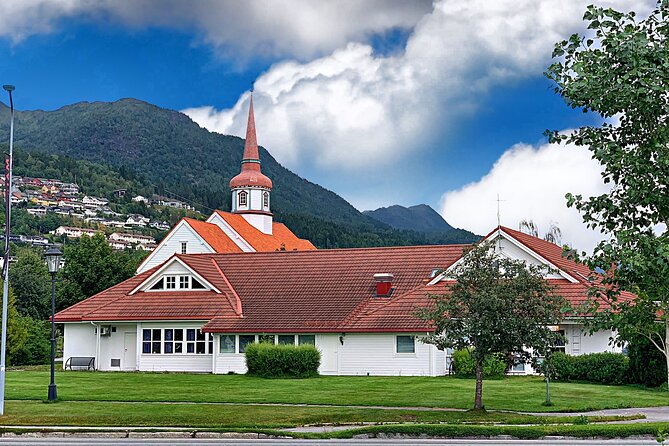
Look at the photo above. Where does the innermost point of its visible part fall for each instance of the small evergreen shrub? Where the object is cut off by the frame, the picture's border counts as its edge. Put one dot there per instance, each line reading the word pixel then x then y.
pixel 464 365
pixel 604 368
pixel 647 364
pixel 282 361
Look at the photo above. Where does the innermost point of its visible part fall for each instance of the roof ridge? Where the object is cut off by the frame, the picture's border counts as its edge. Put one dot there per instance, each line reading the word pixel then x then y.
pixel 238 301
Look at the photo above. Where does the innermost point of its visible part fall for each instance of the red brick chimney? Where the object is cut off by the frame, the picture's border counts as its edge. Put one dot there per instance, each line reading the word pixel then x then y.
pixel 384 284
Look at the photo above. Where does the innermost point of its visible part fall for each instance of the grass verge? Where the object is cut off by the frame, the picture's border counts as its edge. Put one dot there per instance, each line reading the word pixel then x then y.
pixel 77 413
pixel 512 393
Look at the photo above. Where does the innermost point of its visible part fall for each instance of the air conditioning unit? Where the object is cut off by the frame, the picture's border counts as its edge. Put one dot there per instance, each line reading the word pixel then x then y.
pixel 105 330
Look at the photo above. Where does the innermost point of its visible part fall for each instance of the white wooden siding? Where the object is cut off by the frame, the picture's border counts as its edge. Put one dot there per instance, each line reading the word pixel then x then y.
pixel 112 346
pixel 78 340
pixel 374 354
pixel 172 245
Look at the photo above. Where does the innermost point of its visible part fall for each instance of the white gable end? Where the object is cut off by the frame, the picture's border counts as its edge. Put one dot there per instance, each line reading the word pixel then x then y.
pixel 175 269
pixel 512 249
pixel 231 233
pixel 171 244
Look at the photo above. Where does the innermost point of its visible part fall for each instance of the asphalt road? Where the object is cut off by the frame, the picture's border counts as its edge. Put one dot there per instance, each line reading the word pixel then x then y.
pixel 281 442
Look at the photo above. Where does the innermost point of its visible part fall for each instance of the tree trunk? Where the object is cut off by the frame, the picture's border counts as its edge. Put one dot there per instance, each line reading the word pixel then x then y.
pixel 478 399
pixel 666 347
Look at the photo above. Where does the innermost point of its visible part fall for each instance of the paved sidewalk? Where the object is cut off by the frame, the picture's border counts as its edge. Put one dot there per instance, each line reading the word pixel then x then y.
pixel 653 414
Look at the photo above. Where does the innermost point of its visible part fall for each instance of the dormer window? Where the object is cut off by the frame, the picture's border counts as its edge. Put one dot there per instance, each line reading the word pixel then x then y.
pixel 242 197
pixel 181 282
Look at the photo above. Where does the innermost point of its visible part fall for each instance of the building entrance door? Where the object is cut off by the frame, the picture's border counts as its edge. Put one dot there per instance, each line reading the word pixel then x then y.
pixel 130 351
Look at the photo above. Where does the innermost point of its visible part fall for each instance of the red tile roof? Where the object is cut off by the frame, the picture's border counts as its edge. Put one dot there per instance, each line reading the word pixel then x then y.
pixel 213 235
pixel 281 239
pixel 304 291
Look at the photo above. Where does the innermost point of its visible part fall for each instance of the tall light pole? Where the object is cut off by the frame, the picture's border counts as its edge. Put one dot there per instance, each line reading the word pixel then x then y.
pixel 53 257
pixel 5 260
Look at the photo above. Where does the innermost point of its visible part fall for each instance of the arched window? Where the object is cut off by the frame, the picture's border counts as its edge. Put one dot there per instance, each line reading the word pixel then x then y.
pixel 242 197
pixel 265 200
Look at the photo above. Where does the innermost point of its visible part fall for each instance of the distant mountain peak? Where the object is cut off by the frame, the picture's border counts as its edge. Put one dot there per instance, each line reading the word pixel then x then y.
pixel 421 218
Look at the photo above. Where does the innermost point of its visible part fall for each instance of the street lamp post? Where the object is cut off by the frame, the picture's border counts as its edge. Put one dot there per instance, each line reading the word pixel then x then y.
pixel 5 255
pixel 53 257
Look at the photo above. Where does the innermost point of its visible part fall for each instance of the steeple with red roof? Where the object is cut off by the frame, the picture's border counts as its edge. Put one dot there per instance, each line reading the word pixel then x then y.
pixel 250 188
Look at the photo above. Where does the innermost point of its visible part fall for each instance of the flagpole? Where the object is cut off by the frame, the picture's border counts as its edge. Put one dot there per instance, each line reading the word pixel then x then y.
pixel 5 262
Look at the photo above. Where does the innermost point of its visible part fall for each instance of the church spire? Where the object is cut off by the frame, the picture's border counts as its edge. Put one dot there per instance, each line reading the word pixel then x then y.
pixel 250 188
pixel 251 174
pixel 251 143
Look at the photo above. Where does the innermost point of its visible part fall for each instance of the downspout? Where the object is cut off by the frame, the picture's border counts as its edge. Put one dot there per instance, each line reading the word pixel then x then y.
pixel 97 345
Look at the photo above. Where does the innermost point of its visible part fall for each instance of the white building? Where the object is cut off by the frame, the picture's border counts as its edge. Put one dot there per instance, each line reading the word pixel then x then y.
pixel 198 312
pixel 210 288
pixel 132 238
pixel 73 232
pixel 94 201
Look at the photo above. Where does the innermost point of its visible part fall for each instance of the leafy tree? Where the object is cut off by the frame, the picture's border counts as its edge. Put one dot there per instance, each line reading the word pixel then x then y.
pixel 17 331
pixel 92 266
pixel 36 349
pixel 31 283
pixel 495 304
pixel 622 71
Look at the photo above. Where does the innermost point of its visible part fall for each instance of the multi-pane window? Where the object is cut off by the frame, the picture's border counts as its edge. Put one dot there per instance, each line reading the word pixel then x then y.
pixel 287 339
pixel 151 340
pixel 227 344
pixel 242 198
pixel 184 247
pixel 178 283
pixel 184 282
pixel 265 199
pixel 228 341
pixel 176 341
pixel 405 344
pixel 245 340
pixel 306 340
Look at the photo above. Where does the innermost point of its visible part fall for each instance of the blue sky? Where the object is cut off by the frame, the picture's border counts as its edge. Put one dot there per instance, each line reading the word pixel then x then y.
pixel 384 102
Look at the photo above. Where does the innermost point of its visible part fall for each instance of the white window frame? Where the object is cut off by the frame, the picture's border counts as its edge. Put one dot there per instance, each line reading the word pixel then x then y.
pixel 242 198
pixel 176 278
pixel 396 339
pixel 208 342
pixel 184 247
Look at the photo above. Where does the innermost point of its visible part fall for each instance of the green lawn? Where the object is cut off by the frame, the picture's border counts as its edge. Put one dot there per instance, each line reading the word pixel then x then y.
pixel 511 393
pixel 80 413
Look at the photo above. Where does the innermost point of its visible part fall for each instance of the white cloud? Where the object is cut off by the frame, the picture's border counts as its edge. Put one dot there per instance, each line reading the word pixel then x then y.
pixel 353 107
pixel 242 29
pixel 532 181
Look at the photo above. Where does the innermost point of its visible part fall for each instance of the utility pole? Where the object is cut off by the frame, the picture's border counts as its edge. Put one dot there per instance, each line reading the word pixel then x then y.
pixel 5 261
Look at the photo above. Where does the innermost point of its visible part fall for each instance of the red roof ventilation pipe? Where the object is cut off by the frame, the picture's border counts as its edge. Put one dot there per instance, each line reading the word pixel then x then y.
pixel 384 284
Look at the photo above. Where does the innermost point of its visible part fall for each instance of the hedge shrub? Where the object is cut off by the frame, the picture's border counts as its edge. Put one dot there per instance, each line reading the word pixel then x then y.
pixel 282 361
pixel 647 364
pixel 604 368
pixel 464 365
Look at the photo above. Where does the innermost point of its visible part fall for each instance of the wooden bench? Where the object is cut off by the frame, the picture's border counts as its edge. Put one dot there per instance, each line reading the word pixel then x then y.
pixel 80 362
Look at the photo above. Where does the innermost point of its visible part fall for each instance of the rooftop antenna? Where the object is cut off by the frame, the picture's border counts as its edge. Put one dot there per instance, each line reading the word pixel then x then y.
pixel 499 221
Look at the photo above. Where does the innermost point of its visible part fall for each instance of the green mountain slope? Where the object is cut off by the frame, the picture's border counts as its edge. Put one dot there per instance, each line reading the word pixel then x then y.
pixel 418 218
pixel 422 219
pixel 167 151
pixel 170 150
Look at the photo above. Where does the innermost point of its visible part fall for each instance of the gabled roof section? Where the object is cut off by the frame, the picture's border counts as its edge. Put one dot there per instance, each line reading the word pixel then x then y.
pixel 551 252
pixel 316 291
pixel 161 270
pixel 213 236
pixel 281 239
